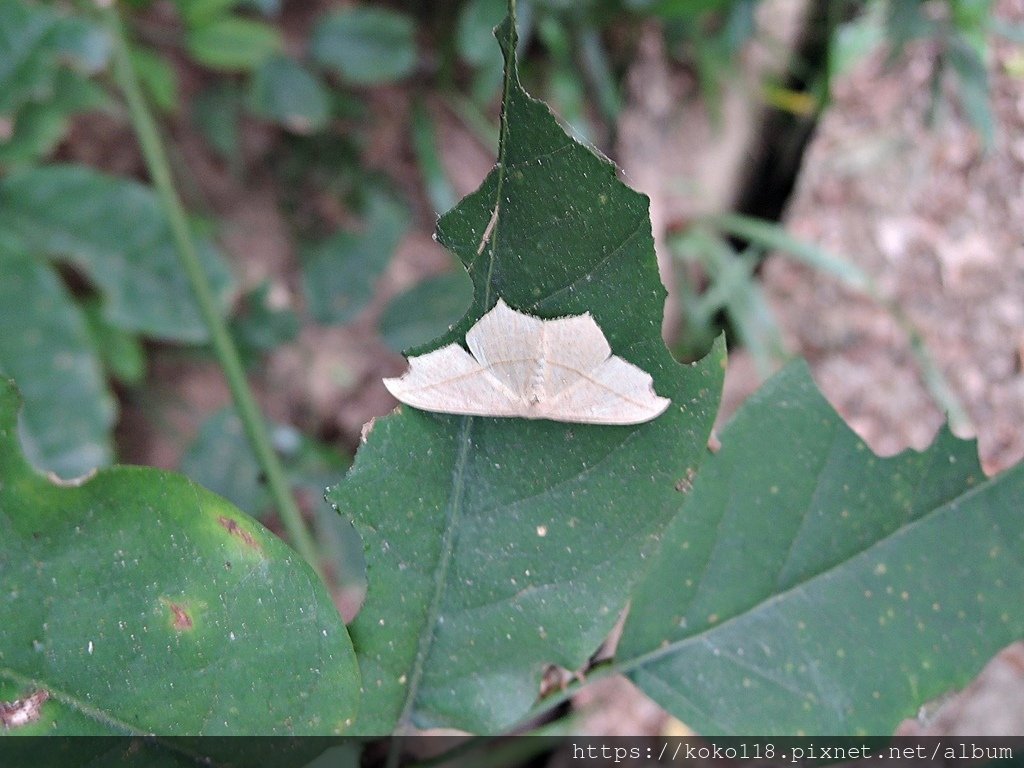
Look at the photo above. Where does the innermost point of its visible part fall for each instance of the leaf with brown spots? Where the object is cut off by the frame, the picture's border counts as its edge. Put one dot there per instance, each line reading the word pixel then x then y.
pixel 23 711
pixel 181 620
pixel 118 601
pixel 233 527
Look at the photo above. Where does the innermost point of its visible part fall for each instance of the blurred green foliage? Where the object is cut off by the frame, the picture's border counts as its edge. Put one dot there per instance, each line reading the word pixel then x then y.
pixel 299 97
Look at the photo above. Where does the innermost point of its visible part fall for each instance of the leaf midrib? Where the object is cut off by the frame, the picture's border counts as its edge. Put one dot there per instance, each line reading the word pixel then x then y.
pixel 503 170
pixel 454 514
pixel 668 649
pixel 73 702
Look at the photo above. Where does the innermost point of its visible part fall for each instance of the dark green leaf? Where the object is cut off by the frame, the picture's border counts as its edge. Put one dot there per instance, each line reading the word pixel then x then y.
pixel 198 13
pixel 116 232
pixel 475 30
pixel 284 91
pixel 24 64
pixel 259 327
pixel 26 55
pixel 121 351
pixel 81 44
pixel 366 46
pixel 221 460
pixel 733 289
pixel 34 43
pixel 808 586
pixel 40 125
pixel 233 44
pixel 905 21
pixel 266 7
pixel 216 113
pixel 158 78
pixel 144 604
pixel 45 347
pixel 424 139
pixel 496 546
pixel 340 273
pixel 427 310
pixel 972 76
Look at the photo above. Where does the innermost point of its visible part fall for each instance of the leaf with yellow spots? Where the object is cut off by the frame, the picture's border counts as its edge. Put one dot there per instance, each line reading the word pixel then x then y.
pixel 809 586
pixel 135 601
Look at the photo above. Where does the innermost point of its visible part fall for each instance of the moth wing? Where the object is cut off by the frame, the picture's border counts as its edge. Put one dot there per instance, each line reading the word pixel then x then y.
pixel 615 392
pixel 508 344
pixel 573 348
pixel 449 380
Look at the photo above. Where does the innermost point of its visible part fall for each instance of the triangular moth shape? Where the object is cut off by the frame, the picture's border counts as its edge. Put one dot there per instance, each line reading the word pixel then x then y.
pixel 522 366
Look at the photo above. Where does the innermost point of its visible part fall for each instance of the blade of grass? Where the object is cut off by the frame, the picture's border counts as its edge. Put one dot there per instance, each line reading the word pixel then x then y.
pixel 227 354
pixel 772 236
pixel 474 120
pixel 424 140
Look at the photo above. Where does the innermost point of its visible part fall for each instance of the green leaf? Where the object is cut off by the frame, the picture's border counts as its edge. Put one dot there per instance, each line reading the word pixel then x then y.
pixel 808 586
pixel 44 57
pixel 35 44
pixel 496 546
pixel 26 55
pixel 158 78
pixel 144 604
pixel 266 7
pixel 41 125
pixel 284 91
pixel 121 351
pixel 45 346
pixel 769 235
pixel 116 232
pixel 474 33
pixel 428 158
pixel 233 44
pixel 427 310
pixel 906 21
pixel 221 460
pixel 366 46
pixel 259 327
pixel 731 288
pixel 972 75
pixel 216 112
pixel 81 43
pixel 197 13
pixel 340 273
pixel 855 39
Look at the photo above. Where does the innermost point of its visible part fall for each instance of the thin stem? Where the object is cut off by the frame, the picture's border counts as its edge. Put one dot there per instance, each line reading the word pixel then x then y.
pixel 223 346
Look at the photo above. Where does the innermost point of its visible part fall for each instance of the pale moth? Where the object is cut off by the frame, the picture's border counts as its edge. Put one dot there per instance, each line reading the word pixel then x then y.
pixel 526 367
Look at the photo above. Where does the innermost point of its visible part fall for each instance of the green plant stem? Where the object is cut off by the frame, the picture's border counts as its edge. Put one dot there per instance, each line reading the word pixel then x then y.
pixel 223 346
